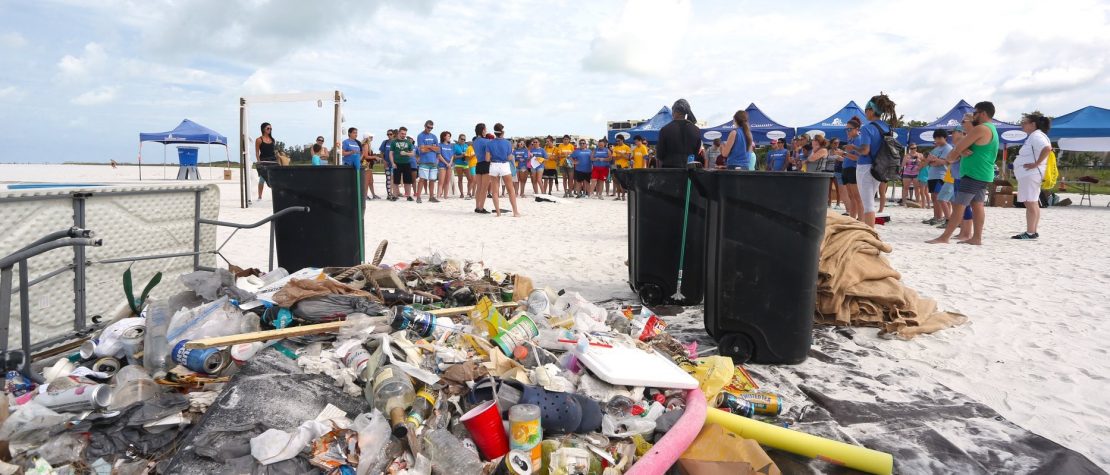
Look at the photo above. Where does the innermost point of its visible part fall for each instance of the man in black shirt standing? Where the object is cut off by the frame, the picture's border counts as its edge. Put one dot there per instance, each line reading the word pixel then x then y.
pixel 679 139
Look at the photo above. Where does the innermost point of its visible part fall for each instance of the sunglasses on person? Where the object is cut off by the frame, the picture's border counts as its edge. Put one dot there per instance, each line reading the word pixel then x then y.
pixel 319 140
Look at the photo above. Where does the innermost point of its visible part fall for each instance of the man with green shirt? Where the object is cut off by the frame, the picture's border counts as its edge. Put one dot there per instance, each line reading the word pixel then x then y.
pixel 976 173
pixel 401 156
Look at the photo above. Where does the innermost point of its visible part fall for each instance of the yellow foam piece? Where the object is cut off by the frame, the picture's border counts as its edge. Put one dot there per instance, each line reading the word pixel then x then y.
pixel 839 453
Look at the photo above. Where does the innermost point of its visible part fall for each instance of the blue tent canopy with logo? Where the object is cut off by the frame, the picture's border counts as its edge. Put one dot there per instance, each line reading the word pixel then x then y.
pixel 1085 130
pixel 763 128
pixel 648 129
pixel 186 133
pixel 1007 133
pixel 834 126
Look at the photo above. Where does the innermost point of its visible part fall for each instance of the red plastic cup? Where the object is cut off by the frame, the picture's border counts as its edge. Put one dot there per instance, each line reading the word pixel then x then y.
pixel 487 430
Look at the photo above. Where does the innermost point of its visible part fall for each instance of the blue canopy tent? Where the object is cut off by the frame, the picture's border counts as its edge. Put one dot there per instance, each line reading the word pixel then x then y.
pixel 835 126
pixel 1085 130
pixel 1007 133
pixel 763 128
pixel 187 132
pixel 648 129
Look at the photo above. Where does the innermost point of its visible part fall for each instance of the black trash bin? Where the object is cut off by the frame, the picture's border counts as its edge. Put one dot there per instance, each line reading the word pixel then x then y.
pixel 331 233
pixel 656 197
pixel 763 240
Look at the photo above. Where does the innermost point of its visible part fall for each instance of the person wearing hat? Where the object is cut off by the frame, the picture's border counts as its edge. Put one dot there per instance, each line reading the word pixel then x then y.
pixel 680 140
pixel 777 157
pixel 427 146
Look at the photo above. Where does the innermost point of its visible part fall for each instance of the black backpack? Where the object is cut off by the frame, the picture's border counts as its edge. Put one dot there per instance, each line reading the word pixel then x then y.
pixel 887 162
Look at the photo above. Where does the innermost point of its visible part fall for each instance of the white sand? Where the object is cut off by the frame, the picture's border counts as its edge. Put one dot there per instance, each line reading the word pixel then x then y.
pixel 1034 349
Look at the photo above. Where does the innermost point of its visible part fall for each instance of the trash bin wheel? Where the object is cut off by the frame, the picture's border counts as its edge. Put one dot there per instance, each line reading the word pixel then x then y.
pixel 738 346
pixel 650 295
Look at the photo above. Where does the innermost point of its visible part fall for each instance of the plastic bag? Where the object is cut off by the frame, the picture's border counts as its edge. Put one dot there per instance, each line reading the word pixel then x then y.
pixel 63 449
pixel 625 426
pixel 31 422
pixel 211 285
pixel 712 373
pixel 219 318
pixel 335 307
pixel 373 441
pixel 277 445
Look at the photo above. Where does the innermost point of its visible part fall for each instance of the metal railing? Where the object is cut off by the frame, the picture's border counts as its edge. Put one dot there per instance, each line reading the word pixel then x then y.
pixel 78 238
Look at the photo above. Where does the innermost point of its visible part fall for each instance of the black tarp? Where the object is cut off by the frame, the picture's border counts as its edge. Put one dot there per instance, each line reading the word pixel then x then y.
pixel 857 394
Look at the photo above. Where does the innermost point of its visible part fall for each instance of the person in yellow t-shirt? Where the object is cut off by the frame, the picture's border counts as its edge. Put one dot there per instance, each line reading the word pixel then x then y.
pixel 639 153
pixel 550 166
pixel 622 154
pixel 563 152
pixel 472 163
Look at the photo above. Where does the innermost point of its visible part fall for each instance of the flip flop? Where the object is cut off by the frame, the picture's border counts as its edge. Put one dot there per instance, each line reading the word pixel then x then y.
pixel 560 413
pixel 591 415
pixel 484 390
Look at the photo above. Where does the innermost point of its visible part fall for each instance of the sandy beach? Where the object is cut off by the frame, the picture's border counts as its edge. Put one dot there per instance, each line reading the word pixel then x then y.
pixel 1034 348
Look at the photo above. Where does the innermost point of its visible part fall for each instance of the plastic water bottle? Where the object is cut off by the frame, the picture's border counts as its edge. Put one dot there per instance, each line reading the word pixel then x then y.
pixel 449 456
pixel 155 346
pixel 274 276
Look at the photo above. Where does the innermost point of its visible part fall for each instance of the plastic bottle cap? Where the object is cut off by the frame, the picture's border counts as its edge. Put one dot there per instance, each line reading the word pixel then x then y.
pixel 637 410
pixel 520 352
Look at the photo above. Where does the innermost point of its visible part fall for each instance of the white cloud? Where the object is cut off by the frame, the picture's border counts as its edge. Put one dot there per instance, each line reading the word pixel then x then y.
pixel 1052 79
pixel 98 96
pixel 642 42
pixel 12 40
pixel 10 93
pixel 91 61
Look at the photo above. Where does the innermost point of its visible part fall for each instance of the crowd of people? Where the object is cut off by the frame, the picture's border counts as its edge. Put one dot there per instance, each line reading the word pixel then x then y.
pixel 951 179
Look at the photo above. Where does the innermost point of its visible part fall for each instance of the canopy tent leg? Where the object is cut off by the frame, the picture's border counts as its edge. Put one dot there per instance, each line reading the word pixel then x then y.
pixel 140 160
pixel 164 163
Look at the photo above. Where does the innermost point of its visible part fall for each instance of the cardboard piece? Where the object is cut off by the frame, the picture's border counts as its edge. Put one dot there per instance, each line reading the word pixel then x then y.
pixel 716 451
pixel 522 287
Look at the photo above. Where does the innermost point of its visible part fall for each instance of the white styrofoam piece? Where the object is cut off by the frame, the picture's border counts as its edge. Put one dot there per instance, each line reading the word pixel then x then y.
pixel 627 365
pixel 130 225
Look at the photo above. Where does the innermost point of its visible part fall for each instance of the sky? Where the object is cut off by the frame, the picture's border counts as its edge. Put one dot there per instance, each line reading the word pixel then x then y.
pixel 79 80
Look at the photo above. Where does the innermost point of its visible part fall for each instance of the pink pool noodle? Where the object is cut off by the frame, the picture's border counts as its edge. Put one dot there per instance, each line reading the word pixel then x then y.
pixel 666 451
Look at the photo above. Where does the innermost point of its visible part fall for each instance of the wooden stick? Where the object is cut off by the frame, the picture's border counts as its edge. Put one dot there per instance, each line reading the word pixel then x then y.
pixel 443 312
pixel 221 341
pixel 265 335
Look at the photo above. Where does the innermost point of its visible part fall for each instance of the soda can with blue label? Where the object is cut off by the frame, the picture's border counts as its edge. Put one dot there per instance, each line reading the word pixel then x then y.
pixel 207 360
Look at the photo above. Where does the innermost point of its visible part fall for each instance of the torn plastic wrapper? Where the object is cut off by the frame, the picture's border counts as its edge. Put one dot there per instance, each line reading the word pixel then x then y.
pixel 336 448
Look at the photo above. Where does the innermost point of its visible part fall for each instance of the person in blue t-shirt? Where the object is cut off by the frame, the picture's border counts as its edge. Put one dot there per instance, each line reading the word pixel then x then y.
pixel 738 144
pixel 852 203
pixel 535 165
pixel 387 164
pixel 352 149
pixel 500 152
pixel 521 157
pixel 462 168
pixel 880 111
pixel 776 158
pixel 481 169
pixel 599 166
pixel 444 160
pixel 427 153
pixel 580 158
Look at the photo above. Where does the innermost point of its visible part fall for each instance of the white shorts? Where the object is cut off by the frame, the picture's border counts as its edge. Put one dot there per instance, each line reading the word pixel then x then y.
pixel 868 186
pixel 430 174
pixel 500 169
pixel 1029 188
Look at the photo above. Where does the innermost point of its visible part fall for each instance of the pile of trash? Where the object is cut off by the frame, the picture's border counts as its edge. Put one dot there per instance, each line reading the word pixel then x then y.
pixel 435 366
